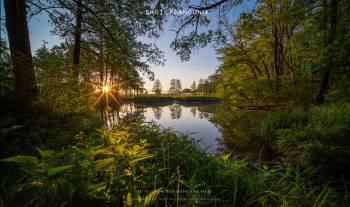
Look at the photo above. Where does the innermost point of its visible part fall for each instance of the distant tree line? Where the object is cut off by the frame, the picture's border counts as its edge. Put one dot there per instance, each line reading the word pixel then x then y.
pixel 205 86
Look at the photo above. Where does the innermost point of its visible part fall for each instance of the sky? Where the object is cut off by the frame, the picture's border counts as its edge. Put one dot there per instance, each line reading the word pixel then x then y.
pixel 202 63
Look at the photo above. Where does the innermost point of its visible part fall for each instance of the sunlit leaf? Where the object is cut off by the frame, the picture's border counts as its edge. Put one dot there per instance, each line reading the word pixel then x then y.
pixel 55 170
pixel 152 196
pixel 140 158
pixel 103 164
pixel 45 153
pixel 102 152
pixel 226 156
pixel 5 131
pixel 22 160
pixel 128 199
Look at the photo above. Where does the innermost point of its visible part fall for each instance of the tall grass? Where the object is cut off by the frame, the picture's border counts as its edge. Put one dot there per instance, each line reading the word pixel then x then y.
pixel 314 137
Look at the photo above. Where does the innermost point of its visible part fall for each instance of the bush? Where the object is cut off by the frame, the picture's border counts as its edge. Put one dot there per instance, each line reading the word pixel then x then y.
pixel 317 137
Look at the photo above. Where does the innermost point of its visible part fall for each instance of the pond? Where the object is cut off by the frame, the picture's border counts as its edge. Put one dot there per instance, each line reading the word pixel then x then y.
pixel 214 126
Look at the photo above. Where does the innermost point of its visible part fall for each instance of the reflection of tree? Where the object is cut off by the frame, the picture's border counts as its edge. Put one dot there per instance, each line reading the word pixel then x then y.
pixel 157 112
pixel 193 111
pixel 206 115
pixel 200 115
pixel 175 111
pixel 239 129
pixel 112 116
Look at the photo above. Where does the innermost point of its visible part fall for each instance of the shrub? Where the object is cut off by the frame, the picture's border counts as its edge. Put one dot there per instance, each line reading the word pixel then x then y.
pixel 317 137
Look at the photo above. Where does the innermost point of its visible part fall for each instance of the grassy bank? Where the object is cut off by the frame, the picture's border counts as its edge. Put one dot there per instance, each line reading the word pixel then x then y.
pixel 143 165
pixel 316 137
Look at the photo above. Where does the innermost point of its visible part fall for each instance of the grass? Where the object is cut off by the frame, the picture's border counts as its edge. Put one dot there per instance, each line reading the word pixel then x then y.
pixel 316 137
pixel 138 164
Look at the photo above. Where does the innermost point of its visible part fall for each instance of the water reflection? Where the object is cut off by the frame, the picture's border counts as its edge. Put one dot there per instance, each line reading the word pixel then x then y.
pixel 157 111
pixel 216 126
pixel 193 111
pixel 175 111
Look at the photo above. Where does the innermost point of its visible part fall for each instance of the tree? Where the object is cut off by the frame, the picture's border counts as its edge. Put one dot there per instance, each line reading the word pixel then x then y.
pixel 206 86
pixel 200 36
pixel 178 86
pixel 77 39
pixel 26 90
pixel 116 26
pixel 194 87
pixel 186 90
pixel 200 87
pixel 326 76
pixel 157 87
pixel 172 88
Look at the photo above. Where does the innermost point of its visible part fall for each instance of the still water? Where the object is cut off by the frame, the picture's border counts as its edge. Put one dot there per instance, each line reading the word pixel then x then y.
pixel 215 126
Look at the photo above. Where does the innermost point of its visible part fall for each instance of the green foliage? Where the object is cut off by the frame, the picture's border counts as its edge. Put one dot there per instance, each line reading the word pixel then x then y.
pixel 279 53
pixel 143 165
pixel 6 75
pixel 58 89
pixel 316 137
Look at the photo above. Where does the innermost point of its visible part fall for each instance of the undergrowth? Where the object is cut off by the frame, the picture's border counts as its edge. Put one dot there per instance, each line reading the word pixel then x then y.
pixel 137 164
pixel 316 137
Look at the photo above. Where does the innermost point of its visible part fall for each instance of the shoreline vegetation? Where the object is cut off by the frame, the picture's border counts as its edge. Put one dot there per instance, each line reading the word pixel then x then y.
pixel 137 164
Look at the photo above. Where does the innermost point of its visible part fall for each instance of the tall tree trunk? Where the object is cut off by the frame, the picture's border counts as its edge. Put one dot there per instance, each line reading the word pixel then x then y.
pixel 331 64
pixel 26 89
pixel 77 40
pixel 277 66
pixel 102 61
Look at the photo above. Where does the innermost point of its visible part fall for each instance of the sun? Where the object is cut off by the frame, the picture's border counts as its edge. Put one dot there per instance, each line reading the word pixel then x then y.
pixel 105 89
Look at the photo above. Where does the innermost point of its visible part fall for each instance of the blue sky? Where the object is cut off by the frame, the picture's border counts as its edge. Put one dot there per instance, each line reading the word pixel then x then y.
pixel 202 63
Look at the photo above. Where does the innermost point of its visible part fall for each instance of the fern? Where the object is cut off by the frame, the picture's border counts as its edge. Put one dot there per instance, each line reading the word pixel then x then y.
pixel 152 197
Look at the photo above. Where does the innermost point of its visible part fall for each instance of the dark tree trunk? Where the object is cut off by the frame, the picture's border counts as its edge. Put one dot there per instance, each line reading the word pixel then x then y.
pixel 102 61
pixel 277 66
pixel 77 40
pixel 26 89
pixel 326 76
